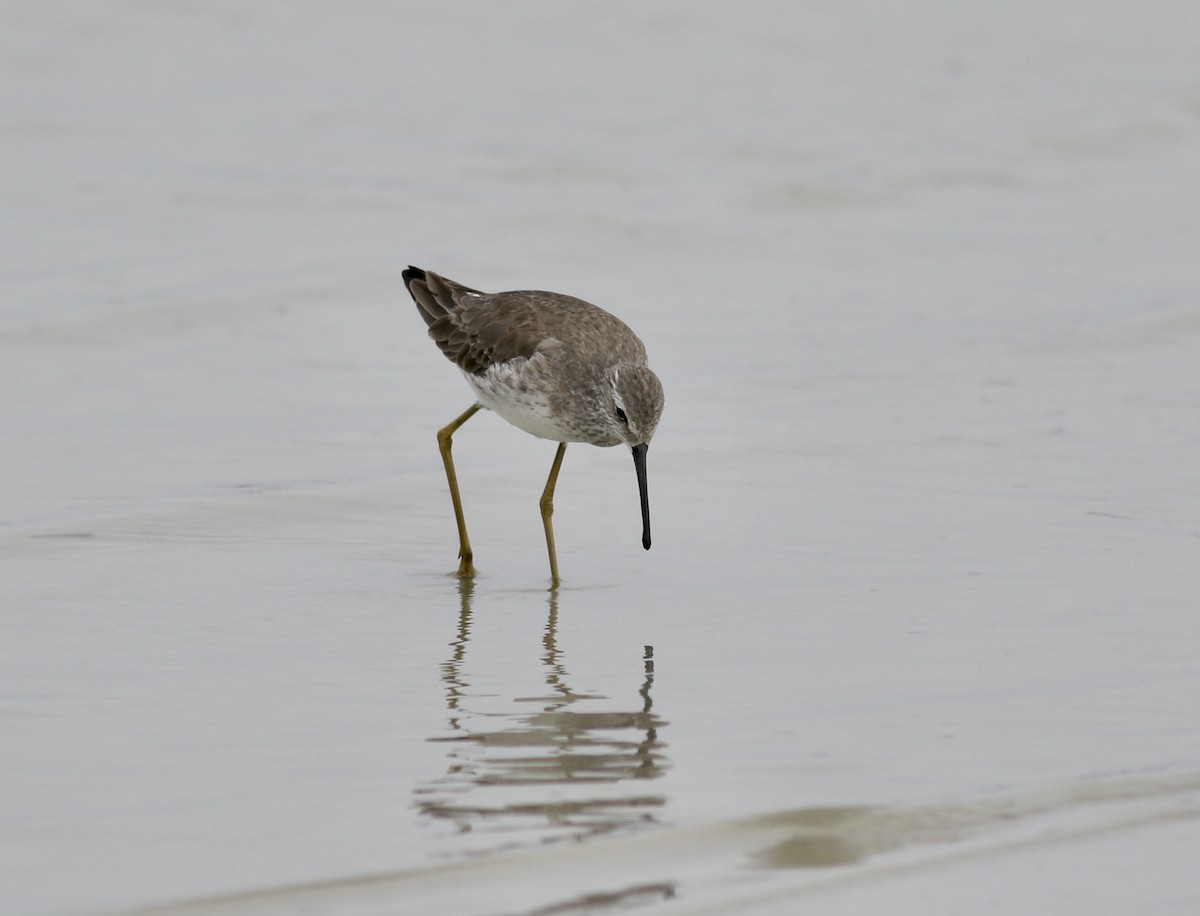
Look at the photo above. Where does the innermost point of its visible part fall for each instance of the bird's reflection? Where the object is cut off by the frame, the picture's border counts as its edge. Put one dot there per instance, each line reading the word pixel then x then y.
pixel 558 772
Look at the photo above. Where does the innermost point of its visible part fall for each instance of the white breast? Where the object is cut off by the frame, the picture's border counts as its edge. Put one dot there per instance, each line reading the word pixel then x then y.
pixel 524 406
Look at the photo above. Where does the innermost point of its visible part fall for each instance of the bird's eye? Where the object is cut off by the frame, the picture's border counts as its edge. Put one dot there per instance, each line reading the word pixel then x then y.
pixel 621 416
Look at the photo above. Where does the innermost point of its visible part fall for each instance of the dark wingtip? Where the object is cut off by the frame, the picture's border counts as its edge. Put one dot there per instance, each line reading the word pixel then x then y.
pixel 413 273
pixel 416 281
pixel 646 540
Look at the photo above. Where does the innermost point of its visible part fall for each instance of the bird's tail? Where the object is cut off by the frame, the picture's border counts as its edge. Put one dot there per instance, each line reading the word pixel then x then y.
pixel 435 296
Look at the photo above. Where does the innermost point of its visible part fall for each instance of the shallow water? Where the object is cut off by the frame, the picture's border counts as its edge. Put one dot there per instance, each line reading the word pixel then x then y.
pixel 918 628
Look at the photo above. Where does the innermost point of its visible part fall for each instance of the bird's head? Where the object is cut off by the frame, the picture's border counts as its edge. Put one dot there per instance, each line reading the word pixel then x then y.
pixel 635 402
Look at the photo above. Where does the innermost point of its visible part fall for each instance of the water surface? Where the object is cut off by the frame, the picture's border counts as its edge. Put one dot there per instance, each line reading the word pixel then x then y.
pixel 918 627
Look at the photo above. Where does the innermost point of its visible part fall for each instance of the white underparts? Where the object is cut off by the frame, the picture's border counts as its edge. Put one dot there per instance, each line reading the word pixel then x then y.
pixel 524 406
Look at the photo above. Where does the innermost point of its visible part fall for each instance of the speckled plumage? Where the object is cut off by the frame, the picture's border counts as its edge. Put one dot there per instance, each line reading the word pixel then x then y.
pixel 552 365
pixel 543 361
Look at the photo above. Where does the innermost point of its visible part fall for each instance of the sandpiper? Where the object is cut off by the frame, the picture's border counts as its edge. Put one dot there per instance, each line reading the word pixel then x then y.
pixel 552 365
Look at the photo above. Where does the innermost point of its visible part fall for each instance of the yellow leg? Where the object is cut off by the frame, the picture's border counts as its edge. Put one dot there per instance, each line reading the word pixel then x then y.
pixel 466 568
pixel 547 504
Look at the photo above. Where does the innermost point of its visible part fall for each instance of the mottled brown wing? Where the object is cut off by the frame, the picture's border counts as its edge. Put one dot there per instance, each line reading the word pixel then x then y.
pixel 475 329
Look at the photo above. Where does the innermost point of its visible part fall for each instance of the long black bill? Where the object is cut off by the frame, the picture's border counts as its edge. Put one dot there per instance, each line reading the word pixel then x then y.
pixel 639 463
